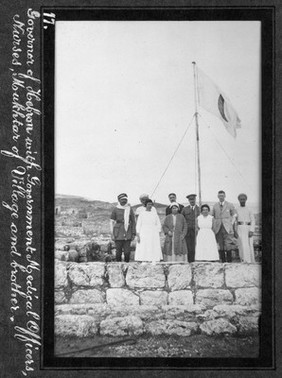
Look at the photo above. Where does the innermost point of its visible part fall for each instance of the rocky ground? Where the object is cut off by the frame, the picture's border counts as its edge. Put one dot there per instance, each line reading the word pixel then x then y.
pixel 160 346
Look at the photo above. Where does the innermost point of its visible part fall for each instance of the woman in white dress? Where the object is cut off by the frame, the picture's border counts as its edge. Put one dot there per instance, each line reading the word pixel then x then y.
pixel 206 246
pixel 148 228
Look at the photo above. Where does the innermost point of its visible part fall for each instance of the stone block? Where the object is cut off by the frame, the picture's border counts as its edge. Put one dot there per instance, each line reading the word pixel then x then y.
pixel 121 326
pixel 98 311
pixel 217 327
pixel 145 276
pixel 61 277
pixel 233 311
pixel 171 327
pixel 75 325
pixel 208 275
pixel 87 296
pixel 115 275
pixel 248 296
pixel 73 309
pixel 179 277
pixel 62 309
pixel 248 325
pixel 122 297
pixel 60 297
pixel 213 297
pixel 181 297
pixel 142 311
pixel 153 298
pixel 146 313
pixel 242 275
pixel 230 312
pixel 180 312
pixel 87 274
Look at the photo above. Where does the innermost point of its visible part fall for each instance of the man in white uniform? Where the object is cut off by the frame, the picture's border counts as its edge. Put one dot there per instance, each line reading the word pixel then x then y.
pixel 245 221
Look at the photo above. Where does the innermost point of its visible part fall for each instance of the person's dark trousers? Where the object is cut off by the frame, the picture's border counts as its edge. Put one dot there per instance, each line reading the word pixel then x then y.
pixel 229 256
pixel 222 256
pixel 221 241
pixel 123 245
pixel 190 242
pixel 225 256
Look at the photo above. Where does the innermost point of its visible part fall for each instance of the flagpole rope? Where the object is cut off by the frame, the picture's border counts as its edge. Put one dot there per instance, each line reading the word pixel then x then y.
pixel 195 167
pixel 234 165
pixel 173 155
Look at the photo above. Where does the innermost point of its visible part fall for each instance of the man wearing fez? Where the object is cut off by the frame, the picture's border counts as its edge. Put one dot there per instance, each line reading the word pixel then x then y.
pixel 191 212
pixel 172 199
pixel 122 227
pixel 245 224
pixel 223 213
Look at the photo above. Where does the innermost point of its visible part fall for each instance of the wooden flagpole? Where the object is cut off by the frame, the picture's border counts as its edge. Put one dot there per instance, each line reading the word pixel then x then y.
pixel 197 133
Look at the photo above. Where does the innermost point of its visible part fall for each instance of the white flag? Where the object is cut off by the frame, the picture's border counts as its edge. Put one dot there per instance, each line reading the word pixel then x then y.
pixel 212 99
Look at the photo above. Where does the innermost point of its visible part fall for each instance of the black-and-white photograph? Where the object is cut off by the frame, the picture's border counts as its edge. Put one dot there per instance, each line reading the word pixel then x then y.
pixel 140 160
pixel 157 189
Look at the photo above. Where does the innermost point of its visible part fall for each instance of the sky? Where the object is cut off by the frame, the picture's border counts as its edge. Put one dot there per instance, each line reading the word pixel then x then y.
pixel 124 98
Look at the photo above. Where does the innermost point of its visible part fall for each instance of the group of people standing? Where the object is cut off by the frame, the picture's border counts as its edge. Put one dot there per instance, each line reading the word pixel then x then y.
pixel 191 233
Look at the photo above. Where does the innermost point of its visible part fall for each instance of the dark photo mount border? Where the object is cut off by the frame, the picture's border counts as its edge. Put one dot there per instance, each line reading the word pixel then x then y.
pixel 266 16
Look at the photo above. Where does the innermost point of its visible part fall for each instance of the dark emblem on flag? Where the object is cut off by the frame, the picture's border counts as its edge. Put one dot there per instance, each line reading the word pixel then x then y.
pixel 221 107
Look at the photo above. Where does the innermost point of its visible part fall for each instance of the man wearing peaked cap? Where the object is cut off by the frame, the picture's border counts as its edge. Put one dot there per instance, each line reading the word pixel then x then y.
pixel 191 196
pixel 190 213
pixel 123 228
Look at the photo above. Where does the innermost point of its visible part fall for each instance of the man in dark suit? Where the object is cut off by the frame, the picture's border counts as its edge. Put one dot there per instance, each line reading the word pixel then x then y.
pixel 191 212
pixel 223 213
pixel 172 199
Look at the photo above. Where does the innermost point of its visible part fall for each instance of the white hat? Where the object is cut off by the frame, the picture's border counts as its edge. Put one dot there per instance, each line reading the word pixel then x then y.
pixel 174 204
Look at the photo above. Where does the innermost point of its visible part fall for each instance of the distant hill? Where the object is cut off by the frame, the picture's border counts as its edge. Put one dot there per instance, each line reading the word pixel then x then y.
pixel 80 203
pixel 77 202
pixel 69 201
pixel 67 196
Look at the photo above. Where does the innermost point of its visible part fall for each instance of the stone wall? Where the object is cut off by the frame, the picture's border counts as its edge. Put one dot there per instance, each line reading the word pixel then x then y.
pixel 119 299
